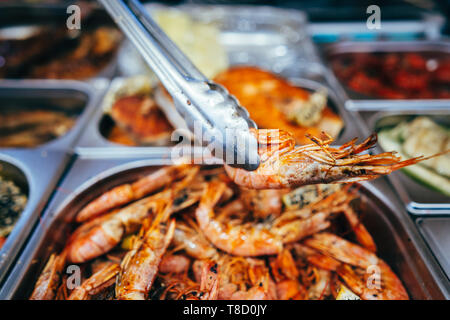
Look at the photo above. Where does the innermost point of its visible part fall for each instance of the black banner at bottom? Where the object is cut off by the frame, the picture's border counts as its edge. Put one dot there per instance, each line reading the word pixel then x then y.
pixel 214 309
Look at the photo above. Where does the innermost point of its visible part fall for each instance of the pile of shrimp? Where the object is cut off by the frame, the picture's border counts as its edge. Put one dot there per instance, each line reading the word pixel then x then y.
pixel 189 232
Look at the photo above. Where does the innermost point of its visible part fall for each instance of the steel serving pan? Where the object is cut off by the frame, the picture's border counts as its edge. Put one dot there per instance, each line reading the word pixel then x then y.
pixel 358 102
pixel 75 97
pixel 19 21
pixel 271 38
pixel 436 231
pixel 397 238
pixel 94 142
pixel 36 173
pixel 418 199
pixel 43 165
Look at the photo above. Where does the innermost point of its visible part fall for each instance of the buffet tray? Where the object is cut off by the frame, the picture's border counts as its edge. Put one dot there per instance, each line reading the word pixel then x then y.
pixel 359 102
pixel 38 169
pixel 36 172
pixel 397 238
pixel 418 199
pixel 271 38
pixel 22 18
pixel 93 142
pixel 64 95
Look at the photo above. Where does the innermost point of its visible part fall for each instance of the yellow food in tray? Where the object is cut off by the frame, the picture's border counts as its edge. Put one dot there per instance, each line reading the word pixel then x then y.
pixel 198 40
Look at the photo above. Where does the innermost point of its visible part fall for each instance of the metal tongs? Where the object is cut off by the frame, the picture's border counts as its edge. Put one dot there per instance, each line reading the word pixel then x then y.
pixel 204 104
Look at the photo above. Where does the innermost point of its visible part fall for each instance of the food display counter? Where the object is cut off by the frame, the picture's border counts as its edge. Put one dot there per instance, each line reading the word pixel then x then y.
pixel 88 173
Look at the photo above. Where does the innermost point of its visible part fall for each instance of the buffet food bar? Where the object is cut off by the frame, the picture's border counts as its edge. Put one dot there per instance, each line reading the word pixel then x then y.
pixel 89 176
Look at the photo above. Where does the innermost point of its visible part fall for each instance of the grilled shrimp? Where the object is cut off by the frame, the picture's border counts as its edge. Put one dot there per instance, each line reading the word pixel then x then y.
pixel 254 239
pixel 174 263
pixel 140 266
pixel 99 235
pixel 321 286
pixel 125 193
pixel 262 203
pixel 362 235
pixel 390 287
pixel 193 242
pixel 283 165
pixel 245 279
pixel 99 281
pixel 285 275
pixel 342 250
pixel 353 255
pixel 48 282
pixel 323 262
pixel 209 283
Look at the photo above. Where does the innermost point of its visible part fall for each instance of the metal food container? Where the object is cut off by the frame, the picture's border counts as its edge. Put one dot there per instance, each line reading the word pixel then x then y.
pixel 93 140
pixel 21 21
pixel 74 97
pixel 271 38
pixel 359 102
pixel 36 173
pixel 398 241
pixel 417 198
pixel 435 232
pixel 38 169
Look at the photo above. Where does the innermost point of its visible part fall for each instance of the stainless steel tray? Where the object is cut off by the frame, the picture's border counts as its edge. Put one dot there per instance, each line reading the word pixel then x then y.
pixel 65 95
pixel 359 102
pixel 271 38
pixel 93 143
pixel 37 172
pixel 37 15
pixel 398 240
pixel 436 232
pixel 43 165
pixel 417 198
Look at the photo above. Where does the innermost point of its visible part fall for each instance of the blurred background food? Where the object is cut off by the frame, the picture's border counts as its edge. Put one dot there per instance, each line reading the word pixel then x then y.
pixel 12 203
pixel 421 136
pixel 31 128
pixel 41 48
pixel 133 117
pixel 198 40
pixel 274 103
pixel 395 75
